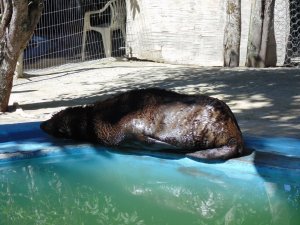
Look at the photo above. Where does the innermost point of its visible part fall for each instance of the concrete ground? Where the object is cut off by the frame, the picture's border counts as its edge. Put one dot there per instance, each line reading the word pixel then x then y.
pixel 266 102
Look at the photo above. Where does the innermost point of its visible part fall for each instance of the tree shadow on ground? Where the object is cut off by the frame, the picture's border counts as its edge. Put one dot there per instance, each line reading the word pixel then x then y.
pixel 265 101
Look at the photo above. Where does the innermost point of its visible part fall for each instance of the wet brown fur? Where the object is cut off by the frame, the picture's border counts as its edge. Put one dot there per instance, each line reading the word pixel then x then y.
pixel 196 125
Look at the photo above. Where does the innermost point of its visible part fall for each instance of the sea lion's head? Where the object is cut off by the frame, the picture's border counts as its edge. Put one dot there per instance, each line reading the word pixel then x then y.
pixel 68 123
pixel 58 125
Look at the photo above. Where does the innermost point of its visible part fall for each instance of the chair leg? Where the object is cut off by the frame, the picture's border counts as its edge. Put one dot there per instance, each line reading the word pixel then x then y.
pixel 83 44
pixel 106 36
pixel 123 34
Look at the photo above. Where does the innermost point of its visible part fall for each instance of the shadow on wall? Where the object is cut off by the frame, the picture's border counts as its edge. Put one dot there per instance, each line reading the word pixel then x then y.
pixel 260 99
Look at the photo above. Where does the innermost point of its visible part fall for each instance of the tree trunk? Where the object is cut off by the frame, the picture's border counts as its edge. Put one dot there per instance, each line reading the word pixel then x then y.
pixel 232 34
pixel 261 49
pixel 18 20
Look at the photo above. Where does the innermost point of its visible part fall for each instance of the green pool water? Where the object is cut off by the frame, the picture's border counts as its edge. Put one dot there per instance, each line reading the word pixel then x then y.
pixel 127 189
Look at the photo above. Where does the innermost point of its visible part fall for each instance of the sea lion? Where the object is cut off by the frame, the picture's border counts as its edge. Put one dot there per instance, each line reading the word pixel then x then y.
pixel 198 126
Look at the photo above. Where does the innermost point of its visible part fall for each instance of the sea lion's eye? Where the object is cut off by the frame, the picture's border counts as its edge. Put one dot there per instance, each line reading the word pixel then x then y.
pixel 232 142
pixel 61 130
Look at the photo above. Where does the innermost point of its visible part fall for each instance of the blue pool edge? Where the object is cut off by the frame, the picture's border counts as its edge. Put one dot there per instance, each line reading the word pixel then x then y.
pixel 25 141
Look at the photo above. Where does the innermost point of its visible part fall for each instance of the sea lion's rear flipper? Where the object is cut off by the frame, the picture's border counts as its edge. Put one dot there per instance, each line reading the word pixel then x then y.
pixel 224 152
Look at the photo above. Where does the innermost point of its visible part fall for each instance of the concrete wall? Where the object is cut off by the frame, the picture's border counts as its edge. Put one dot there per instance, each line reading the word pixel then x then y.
pixel 186 32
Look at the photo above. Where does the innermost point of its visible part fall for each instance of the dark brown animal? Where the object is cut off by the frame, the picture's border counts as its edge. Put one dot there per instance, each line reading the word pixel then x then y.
pixel 196 125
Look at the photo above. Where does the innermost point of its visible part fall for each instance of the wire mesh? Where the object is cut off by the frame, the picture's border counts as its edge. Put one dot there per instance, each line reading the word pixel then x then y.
pixel 293 43
pixel 58 37
pixel 287 21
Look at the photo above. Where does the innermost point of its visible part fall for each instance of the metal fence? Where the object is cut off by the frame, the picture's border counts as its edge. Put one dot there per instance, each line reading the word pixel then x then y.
pixel 292 56
pixel 59 34
pixel 58 37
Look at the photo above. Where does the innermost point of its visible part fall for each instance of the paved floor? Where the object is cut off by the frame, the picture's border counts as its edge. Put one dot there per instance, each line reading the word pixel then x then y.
pixel 266 102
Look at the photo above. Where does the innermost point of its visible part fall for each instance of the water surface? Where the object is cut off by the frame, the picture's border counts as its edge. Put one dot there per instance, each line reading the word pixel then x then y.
pixel 112 189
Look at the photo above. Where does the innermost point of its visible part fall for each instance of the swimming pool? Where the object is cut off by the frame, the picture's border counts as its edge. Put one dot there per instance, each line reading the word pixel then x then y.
pixel 48 181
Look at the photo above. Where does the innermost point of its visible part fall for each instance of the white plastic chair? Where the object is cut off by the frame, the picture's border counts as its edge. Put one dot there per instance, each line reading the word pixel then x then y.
pixel 117 21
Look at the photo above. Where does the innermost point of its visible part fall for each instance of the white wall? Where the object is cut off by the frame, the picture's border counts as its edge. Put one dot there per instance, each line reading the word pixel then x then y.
pixel 185 32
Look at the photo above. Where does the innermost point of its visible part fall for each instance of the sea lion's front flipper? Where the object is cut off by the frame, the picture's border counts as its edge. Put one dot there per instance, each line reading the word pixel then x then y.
pixel 158 145
pixel 224 152
pixel 148 143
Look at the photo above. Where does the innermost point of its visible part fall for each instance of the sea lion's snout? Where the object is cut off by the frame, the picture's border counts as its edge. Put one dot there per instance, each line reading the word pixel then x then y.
pixel 45 127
